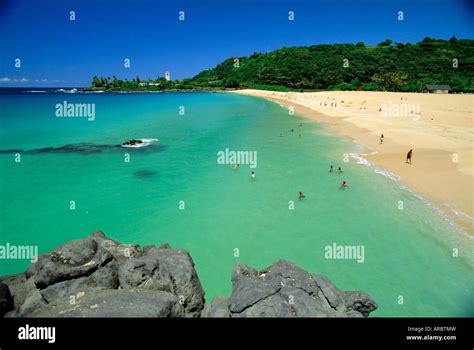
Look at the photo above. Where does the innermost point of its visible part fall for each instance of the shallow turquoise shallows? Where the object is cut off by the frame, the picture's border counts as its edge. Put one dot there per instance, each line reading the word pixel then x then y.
pixel 410 265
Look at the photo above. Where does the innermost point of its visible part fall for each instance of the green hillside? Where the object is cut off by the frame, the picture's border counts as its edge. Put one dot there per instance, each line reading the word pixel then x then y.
pixel 388 66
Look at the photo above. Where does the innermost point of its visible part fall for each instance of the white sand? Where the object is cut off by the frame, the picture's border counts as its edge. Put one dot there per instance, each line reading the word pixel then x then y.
pixel 438 127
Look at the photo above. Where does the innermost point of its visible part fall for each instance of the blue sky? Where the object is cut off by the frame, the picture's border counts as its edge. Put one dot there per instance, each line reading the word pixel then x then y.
pixel 55 51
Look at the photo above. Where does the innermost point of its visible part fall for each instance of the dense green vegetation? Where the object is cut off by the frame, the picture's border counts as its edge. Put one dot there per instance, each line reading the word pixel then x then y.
pixel 387 66
pixel 114 84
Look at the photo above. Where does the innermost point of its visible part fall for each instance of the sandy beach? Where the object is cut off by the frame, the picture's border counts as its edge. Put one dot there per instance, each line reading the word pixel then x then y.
pixel 438 127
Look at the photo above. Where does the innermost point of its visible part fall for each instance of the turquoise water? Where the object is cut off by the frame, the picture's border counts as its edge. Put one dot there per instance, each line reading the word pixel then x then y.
pixel 408 252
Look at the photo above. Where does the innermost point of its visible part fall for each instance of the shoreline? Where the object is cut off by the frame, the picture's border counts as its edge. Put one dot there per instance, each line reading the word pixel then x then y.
pixel 434 175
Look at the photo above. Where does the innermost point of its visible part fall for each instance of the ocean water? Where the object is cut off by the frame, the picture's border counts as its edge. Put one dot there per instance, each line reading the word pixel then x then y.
pixel 410 265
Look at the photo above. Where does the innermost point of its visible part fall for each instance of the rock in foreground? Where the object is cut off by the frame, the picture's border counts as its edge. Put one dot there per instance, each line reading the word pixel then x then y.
pixel 100 277
pixel 285 290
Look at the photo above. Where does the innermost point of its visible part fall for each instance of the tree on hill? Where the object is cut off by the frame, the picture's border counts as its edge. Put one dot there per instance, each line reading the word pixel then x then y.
pixel 390 81
pixel 386 42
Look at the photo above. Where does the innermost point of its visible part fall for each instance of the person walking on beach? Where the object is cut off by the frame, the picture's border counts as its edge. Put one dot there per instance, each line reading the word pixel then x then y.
pixel 381 139
pixel 409 154
pixel 331 169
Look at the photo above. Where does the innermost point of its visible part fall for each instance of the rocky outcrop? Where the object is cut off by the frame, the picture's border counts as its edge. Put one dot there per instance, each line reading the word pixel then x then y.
pixel 164 269
pixel 285 290
pixel 100 277
pixel 6 299
pixel 134 302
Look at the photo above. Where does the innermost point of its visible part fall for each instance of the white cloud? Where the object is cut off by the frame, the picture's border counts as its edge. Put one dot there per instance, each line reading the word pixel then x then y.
pixel 25 80
pixel 13 80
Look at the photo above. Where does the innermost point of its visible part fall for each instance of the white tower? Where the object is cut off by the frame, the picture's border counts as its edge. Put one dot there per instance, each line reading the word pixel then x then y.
pixel 167 76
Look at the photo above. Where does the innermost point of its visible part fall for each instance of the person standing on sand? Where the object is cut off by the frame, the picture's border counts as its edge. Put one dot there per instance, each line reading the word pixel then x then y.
pixel 381 139
pixel 409 154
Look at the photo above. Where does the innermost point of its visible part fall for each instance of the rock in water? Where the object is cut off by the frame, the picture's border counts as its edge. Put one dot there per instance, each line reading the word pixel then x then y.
pixel 144 174
pixel 285 290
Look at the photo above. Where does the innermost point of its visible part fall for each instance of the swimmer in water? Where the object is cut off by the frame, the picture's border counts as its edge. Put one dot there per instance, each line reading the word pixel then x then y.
pixel 331 168
pixel 252 175
pixel 344 184
pixel 339 170
pixel 235 166
pixel 302 196
pixel 281 134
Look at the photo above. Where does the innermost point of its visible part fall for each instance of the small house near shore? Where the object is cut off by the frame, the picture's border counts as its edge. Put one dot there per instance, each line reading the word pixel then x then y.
pixel 438 89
